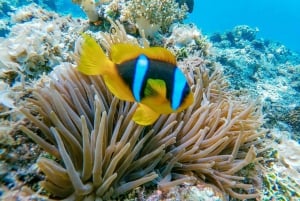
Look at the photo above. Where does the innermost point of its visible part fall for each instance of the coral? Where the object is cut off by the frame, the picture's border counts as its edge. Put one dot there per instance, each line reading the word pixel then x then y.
pixel 24 193
pixel 18 169
pixel 5 96
pixel 183 35
pixel 281 170
pixel 117 35
pixel 289 155
pixel 39 41
pixel 243 32
pixel 280 187
pixel 105 154
pixel 5 8
pixel 152 16
pixel 187 38
pixel 189 3
pixel 265 69
pixel 236 37
pixel 200 192
pixel 4 28
pixel 90 9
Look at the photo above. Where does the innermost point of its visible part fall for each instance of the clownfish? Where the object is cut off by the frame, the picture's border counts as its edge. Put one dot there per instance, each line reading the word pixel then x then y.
pixel 148 76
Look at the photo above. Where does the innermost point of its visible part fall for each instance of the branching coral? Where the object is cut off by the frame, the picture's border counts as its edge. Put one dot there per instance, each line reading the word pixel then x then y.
pixel 104 154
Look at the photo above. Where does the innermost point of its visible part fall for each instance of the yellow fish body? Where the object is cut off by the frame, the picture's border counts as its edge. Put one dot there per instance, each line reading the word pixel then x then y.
pixel 148 76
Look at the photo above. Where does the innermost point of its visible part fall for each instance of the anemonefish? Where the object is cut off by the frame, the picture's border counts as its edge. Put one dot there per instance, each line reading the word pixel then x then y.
pixel 148 76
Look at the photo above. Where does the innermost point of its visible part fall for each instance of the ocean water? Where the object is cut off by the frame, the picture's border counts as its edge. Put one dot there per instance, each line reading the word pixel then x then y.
pixel 276 20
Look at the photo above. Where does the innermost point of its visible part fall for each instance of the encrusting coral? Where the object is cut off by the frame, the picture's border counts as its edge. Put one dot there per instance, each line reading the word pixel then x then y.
pixel 105 154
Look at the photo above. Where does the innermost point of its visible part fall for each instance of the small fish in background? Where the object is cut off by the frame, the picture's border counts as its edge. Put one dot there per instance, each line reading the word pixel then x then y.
pixel 148 76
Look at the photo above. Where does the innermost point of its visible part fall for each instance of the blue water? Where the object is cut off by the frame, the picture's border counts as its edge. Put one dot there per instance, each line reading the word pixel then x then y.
pixel 277 20
pixel 67 7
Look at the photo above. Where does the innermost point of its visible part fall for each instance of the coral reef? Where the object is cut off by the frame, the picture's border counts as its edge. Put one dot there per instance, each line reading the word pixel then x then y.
pixel 189 3
pixel 86 136
pixel 192 147
pixel 5 8
pixel 281 173
pixel 148 18
pixel 152 16
pixel 38 41
pixel 18 169
pixel 187 40
pixel 183 35
pixel 288 153
pixel 34 44
pixel 90 8
pixel 4 28
pixel 265 69
pixel 200 192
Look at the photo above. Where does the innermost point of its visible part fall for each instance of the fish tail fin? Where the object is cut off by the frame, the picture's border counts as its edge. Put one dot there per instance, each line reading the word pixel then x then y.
pixel 144 115
pixel 91 58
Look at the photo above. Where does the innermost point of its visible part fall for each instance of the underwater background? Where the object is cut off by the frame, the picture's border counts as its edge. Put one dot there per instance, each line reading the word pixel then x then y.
pixel 242 57
pixel 276 20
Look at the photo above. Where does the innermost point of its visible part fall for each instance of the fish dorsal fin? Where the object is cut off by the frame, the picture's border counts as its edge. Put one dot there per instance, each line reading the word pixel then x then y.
pixel 155 87
pixel 123 52
pixel 161 54
pixel 144 115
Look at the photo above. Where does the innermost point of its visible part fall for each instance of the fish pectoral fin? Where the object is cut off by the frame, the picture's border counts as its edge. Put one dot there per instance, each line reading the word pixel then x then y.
pixel 118 88
pixel 155 87
pixel 144 115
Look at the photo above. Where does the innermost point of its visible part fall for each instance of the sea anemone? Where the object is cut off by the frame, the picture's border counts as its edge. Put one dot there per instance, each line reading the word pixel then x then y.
pixel 104 154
